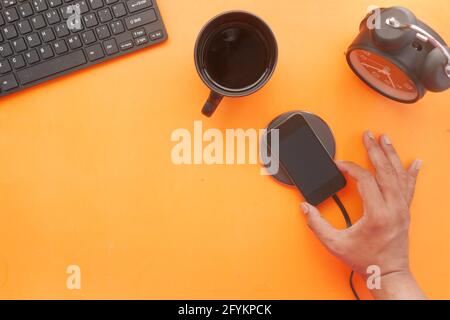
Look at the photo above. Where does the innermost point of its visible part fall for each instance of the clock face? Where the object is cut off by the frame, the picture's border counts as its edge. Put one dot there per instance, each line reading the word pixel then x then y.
pixel 383 75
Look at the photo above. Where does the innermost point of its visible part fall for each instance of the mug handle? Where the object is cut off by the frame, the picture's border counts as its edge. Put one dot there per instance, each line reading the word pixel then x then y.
pixel 212 103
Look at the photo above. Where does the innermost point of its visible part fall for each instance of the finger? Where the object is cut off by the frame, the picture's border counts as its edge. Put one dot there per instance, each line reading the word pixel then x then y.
pixel 395 161
pixel 367 186
pixel 385 174
pixel 391 154
pixel 355 171
pixel 413 173
pixel 323 230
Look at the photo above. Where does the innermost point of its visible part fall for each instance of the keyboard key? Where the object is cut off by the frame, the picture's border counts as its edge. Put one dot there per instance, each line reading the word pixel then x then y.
pixel 10 31
pixel 46 52
pixel 96 4
pixel 39 5
pixel 102 32
pixel 88 37
pixel 32 56
pixel 33 40
pixel 8 82
pixel 74 23
pixel 5 50
pixel 119 10
pixel 38 22
pixel 62 30
pixel 117 27
pixel 51 67
pixel 24 27
pixel 74 42
pixel 8 3
pixel 90 20
pixel 126 45
pixel 156 35
pixel 140 19
pixel 47 35
pixel 95 52
pixel 141 40
pixel 82 5
pixel 11 15
pixel 52 17
pixel 18 62
pixel 19 45
pixel 60 47
pixel 4 66
pixel 54 3
pixel 110 46
pixel 138 33
pixel 68 10
pixel 25 10
pixel 136 5
pixel 105 15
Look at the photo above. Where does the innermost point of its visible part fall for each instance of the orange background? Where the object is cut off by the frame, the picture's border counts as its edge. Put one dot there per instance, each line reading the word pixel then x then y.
pixel 86 176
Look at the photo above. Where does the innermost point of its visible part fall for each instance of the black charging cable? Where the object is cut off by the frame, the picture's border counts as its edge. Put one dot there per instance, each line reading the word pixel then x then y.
pixel 348 222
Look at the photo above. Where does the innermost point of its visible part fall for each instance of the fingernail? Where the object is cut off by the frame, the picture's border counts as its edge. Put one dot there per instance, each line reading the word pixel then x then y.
pixel 386 140
pixel 305 207
pixel 418 164
pixel 370 135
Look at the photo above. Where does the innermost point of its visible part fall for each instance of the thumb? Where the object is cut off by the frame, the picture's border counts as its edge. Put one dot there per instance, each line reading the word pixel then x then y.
pixel 323 230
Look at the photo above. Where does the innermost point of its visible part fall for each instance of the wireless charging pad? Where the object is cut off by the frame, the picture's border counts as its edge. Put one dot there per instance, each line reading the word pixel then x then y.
pixel 320 128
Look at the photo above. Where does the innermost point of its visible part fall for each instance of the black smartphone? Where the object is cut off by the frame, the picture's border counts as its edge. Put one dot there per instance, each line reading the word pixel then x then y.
pixel 306 161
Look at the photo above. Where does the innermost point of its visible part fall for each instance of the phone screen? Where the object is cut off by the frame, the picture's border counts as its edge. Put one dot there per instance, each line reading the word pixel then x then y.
pixel 307 162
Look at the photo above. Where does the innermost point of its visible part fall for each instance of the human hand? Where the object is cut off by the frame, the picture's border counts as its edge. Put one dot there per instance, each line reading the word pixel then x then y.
pixel 380 237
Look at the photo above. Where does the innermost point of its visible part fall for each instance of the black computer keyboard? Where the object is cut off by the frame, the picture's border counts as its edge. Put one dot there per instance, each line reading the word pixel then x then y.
pixel 43 39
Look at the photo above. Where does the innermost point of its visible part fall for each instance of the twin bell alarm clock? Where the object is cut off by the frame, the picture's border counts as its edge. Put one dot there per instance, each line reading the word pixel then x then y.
pixel 399 55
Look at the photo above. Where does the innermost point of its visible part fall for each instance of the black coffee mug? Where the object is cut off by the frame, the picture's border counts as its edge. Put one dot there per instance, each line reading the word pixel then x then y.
pixel 235 56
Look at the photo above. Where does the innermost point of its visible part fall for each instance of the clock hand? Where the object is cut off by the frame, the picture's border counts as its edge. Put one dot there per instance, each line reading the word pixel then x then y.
pixel 375 63
pixel 370 66
pixel 381 71
pixel 390 79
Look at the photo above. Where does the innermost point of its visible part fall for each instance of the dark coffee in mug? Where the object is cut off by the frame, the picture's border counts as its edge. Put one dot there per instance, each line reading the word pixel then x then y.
pixel 235 55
